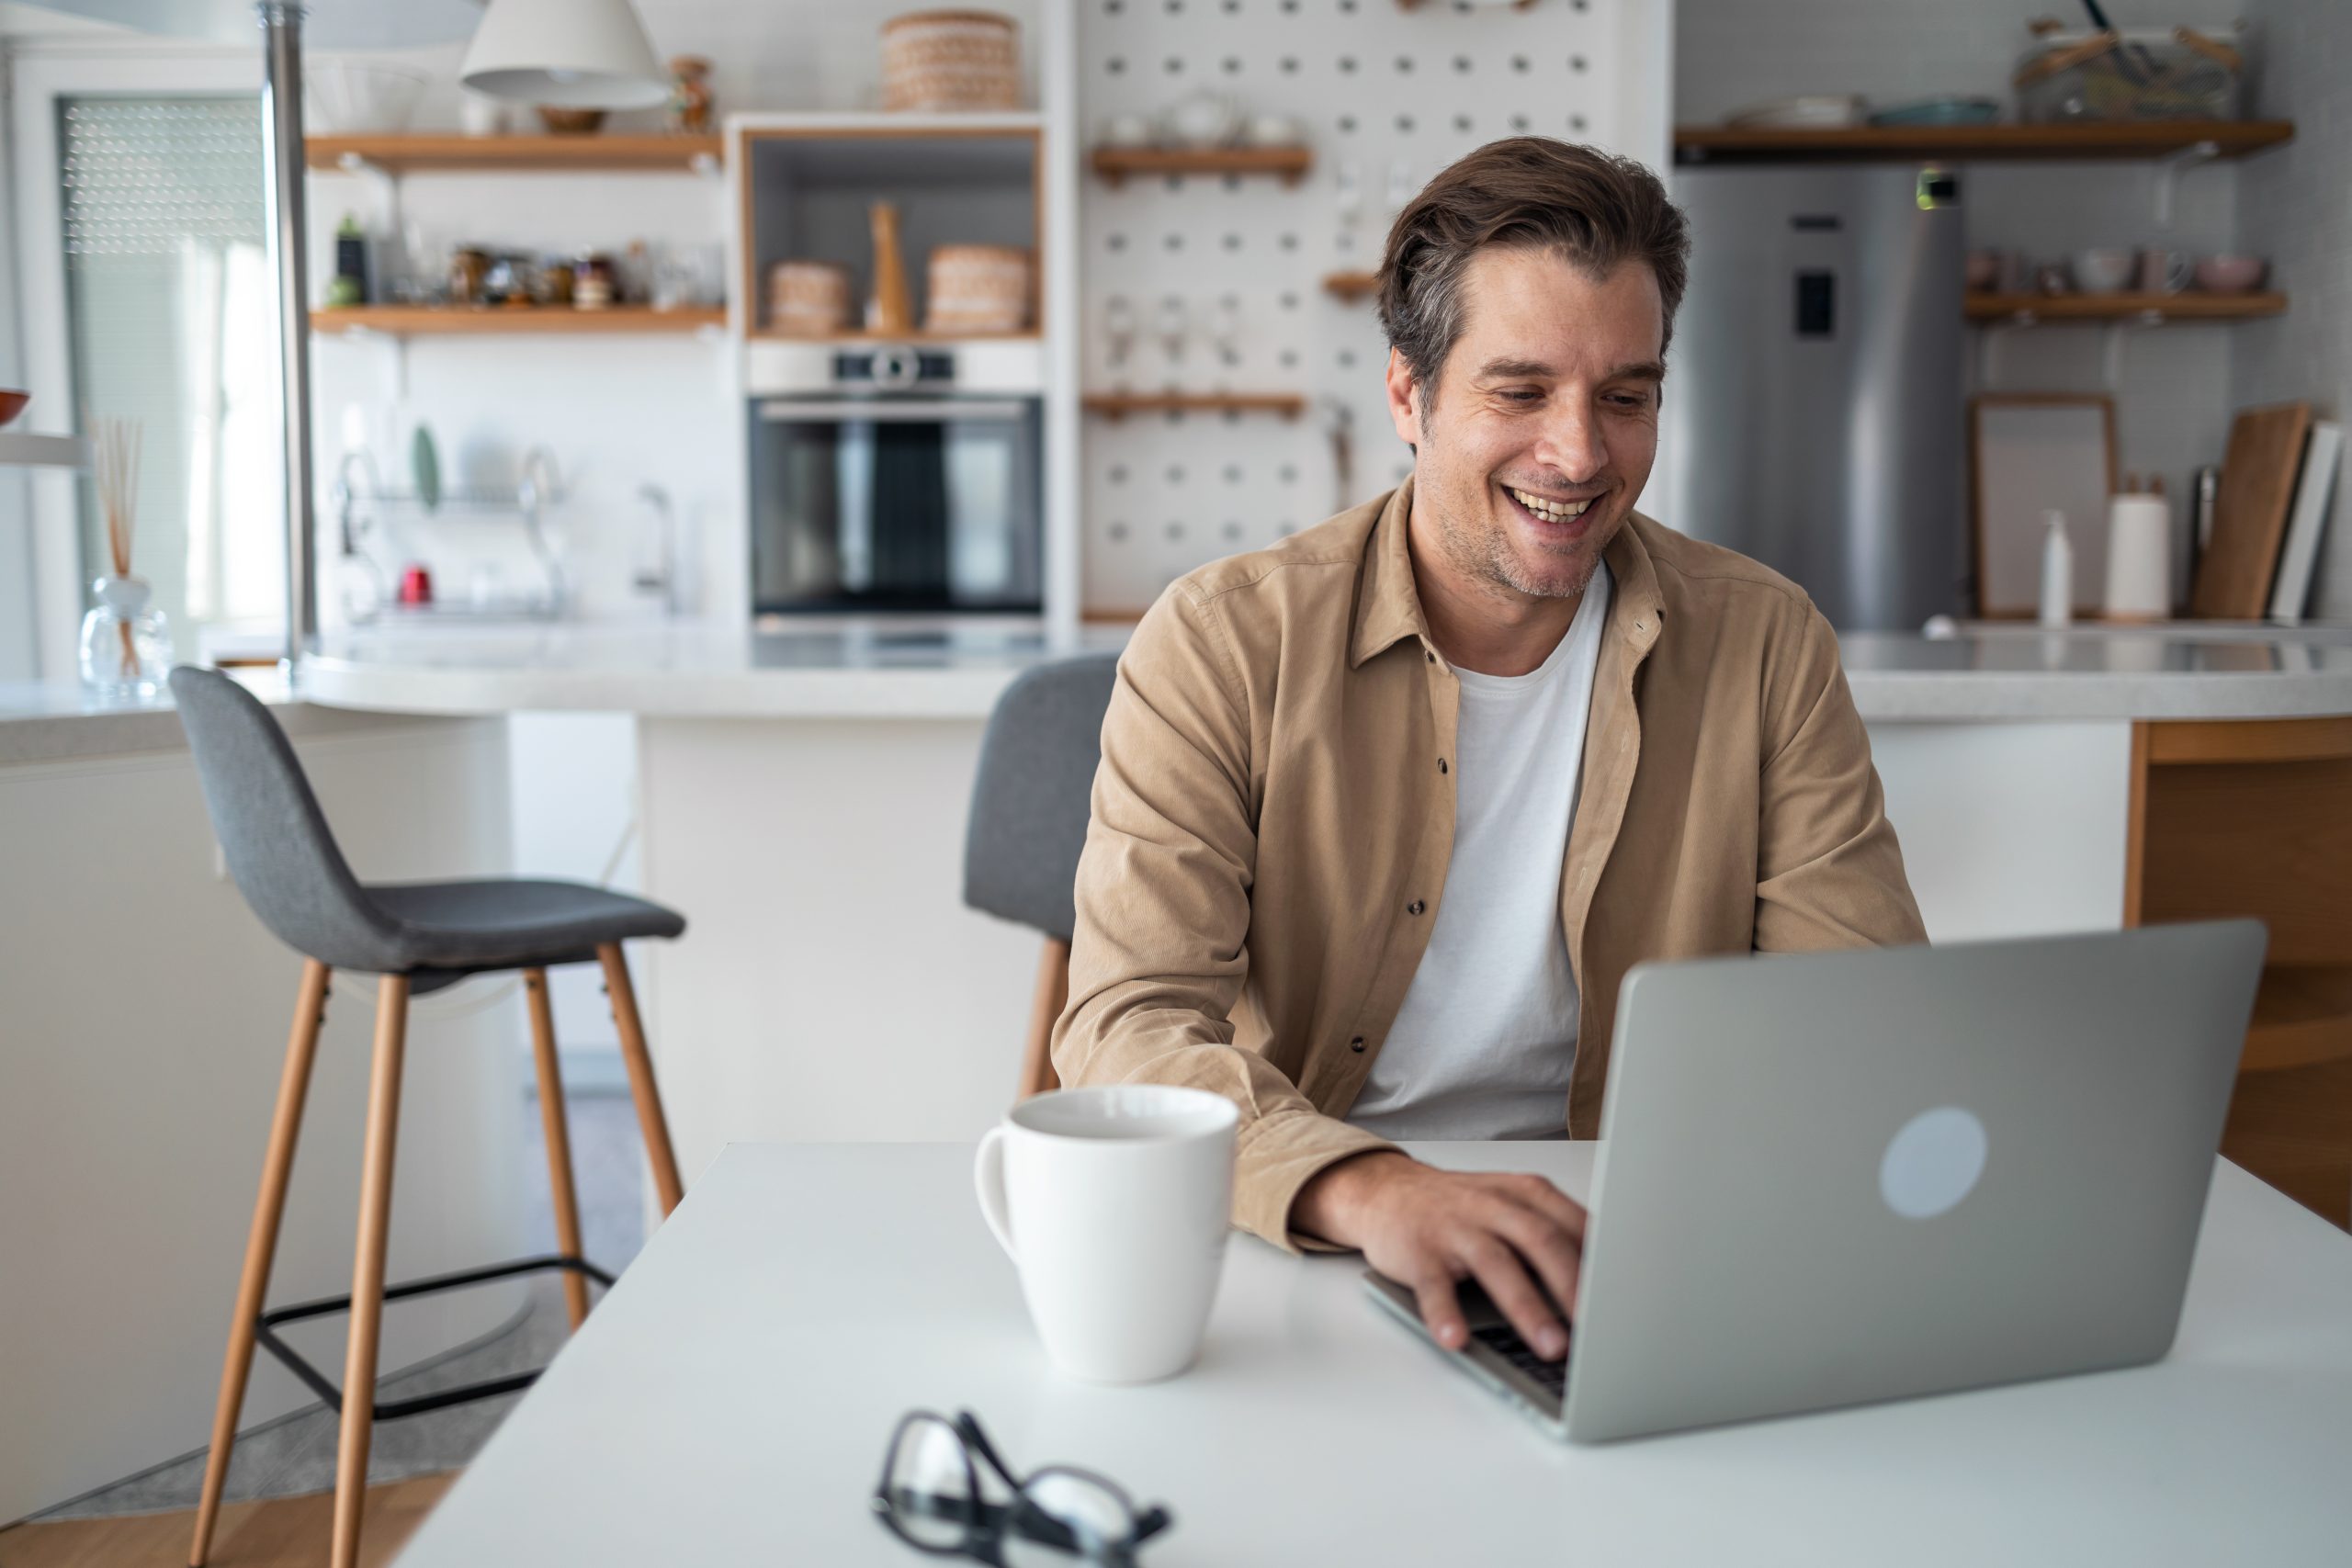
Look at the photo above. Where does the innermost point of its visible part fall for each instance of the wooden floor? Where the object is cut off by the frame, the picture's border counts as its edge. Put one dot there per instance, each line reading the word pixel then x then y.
pixel 282 1532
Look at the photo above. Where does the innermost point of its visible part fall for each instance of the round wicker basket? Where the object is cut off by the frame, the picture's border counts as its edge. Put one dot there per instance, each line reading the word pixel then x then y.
pixel 951 61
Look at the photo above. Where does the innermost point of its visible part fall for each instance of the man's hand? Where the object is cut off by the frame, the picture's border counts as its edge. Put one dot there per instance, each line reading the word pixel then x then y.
pixel 1428 1228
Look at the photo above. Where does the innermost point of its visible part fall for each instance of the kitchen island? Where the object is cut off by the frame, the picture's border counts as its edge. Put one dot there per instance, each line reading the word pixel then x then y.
pixel 801 798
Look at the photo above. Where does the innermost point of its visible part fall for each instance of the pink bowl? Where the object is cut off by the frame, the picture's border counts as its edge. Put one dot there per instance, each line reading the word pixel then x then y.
pixel 2231 275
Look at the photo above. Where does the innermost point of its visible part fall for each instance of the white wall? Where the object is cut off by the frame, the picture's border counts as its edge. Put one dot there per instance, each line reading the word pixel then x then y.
pixel 145 1024
pixel 2293 209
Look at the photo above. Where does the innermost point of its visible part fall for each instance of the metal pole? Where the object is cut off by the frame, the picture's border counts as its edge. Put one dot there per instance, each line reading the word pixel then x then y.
pixel 285 217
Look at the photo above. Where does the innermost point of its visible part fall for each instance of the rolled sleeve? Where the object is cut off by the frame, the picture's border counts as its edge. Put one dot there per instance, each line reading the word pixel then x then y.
pixel 1159 953
pixel 1829 871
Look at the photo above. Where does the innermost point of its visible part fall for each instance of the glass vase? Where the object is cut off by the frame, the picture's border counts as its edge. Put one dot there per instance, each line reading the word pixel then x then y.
pixel 126 642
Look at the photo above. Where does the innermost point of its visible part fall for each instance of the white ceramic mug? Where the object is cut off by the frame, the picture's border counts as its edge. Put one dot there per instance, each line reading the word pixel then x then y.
pixel 1113 1202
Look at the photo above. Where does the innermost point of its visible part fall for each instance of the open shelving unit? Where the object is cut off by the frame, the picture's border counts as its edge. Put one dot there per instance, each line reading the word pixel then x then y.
pixel 2232 818
pixel 2024 309
pixel 444 153
pixel 808 183
pixel 1119 405
pixel 1289 165
pixel 1977 143
pixel 534 321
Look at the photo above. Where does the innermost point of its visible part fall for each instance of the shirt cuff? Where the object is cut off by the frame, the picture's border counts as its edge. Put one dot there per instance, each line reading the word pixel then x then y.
pixel 1277 1157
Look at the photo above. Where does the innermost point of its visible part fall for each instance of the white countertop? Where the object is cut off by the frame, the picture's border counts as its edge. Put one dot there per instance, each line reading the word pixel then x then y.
pixel 1981 672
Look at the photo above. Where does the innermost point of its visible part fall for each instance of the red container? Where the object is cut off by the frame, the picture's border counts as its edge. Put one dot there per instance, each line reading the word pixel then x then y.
pixel 416 586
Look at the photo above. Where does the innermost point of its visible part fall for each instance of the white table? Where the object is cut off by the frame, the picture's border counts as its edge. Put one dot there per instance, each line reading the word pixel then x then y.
pixel 729 1404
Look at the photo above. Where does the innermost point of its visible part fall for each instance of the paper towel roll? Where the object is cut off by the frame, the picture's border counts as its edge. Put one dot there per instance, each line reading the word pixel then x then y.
pixel 2139 557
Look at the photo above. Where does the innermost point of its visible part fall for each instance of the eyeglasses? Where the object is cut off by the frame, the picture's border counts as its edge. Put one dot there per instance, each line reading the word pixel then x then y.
pixel 931 1498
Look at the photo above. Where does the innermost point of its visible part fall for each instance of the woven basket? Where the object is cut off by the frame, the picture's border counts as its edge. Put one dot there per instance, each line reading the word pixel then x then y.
pixel 977 288
pixel 935 61
pixel 809 299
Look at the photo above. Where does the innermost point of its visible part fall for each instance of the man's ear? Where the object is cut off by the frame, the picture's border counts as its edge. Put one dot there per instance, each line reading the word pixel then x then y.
pixel 1403 401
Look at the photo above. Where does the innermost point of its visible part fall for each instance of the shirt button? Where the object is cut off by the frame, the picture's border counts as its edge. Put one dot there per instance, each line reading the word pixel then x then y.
pixel 1415 907
pixel 1441 766
pixel 1432 657
pixel 1357 1044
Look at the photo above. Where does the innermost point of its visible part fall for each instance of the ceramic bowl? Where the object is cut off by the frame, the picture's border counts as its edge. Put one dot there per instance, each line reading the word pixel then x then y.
pixel 2106 271
pixel 2231 275
pixel 12 404
pixel 1983 271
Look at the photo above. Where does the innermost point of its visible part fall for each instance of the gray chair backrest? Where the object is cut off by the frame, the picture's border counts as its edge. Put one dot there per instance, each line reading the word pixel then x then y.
pixel 277 841
pixel 1029 803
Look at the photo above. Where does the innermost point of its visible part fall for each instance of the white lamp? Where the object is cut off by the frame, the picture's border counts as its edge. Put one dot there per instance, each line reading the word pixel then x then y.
pixel 579 54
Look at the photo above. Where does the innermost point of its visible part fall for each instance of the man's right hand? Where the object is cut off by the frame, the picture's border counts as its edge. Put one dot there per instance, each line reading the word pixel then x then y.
pixel 1428 1229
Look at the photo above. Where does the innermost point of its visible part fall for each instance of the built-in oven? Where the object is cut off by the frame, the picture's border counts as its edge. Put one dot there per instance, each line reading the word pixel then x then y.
pixel 881 483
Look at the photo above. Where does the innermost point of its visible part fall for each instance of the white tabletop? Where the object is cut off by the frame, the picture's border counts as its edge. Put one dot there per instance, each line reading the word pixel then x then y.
pixel 729 1401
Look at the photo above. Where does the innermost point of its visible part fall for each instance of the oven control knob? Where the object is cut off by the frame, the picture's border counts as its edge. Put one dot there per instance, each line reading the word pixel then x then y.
pixel 897 367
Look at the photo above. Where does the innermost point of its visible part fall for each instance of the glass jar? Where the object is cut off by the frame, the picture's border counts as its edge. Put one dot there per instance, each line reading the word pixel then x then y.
pixel 126 642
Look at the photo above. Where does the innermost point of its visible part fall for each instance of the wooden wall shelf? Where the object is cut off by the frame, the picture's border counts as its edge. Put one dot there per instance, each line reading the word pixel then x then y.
pixel 2150 308
pixel 769 334
pixel 1289 163
pixel 1118 405
pixel 1974 143
pixel 437 320
pixel 449 152
pixel 1352 287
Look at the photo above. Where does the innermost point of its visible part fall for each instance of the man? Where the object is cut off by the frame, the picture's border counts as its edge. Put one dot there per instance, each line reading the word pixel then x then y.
pixel 1386 812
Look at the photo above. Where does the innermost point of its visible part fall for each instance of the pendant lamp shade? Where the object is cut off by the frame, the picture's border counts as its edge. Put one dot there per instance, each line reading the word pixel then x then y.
pixel 579 54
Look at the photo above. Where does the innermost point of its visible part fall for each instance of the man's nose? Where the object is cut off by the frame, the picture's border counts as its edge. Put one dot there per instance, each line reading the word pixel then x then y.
pixel 1572 445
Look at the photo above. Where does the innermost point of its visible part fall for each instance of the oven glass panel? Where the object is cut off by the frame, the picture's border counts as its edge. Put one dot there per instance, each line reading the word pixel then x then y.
pixel 926 504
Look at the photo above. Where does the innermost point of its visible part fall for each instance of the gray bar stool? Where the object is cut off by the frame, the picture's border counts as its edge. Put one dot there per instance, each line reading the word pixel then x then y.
pixel 1031 801
pixel 418 937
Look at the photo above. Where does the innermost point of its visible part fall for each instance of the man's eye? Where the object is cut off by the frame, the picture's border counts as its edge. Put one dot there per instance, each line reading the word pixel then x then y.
pixel 1523 397
pixel 1630 400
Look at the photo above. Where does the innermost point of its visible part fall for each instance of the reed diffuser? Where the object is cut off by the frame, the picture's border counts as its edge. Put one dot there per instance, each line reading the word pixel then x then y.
pixel 126 643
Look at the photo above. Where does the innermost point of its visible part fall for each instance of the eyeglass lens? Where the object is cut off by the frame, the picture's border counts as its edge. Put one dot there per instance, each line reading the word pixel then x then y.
pixel 930 1484
pixel 1082 1522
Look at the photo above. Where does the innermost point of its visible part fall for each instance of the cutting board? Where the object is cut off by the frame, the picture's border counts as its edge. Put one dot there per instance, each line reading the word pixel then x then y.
pixel 2250 514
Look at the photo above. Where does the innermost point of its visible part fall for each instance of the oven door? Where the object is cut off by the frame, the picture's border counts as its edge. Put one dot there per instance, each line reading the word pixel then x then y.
pixel 896 505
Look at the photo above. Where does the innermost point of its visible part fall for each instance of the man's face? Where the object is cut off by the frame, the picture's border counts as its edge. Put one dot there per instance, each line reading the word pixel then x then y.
pixel 1543 422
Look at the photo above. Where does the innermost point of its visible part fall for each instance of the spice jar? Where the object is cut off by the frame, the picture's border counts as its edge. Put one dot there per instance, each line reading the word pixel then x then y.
pixel 594 281
pixel 468 270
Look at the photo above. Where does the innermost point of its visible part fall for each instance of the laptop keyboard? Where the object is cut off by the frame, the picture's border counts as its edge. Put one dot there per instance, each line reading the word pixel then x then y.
pixel 1504 1340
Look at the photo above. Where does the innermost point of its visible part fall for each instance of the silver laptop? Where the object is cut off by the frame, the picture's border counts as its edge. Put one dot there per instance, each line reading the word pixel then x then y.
pixel 1836 1177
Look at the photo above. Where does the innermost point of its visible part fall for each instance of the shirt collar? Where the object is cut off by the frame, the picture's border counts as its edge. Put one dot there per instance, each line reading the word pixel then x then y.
pixel 1388 609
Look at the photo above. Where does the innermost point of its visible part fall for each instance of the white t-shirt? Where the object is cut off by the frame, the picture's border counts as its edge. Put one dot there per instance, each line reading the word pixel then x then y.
pixel 1483 1042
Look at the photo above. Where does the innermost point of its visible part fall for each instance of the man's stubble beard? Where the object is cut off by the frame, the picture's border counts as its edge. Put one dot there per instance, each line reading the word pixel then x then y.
pixel 1488 556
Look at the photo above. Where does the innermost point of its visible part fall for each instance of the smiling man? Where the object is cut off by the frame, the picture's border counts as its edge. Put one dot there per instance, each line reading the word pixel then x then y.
pixel 1386 812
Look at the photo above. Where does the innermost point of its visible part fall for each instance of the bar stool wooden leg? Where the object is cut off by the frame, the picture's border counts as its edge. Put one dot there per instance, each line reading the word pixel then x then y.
pixel 1038 1073
pixel 651 1122
pixel 557 1133
pixel 261 1244
pixel 367 1269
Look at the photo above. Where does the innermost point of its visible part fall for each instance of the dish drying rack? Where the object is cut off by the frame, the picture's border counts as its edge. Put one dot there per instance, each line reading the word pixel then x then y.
pixel 362 504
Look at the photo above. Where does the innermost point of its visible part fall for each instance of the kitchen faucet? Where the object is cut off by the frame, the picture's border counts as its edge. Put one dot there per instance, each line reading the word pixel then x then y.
pixel 663 579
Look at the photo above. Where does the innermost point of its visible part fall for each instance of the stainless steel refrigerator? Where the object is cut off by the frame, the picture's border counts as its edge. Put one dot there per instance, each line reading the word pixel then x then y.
pixel 1813 416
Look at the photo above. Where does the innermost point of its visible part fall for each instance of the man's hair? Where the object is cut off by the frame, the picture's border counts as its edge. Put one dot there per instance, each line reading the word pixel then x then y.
pixel 1590 208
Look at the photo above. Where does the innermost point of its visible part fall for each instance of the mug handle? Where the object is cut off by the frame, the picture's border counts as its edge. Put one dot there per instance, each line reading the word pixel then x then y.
pixel 987 1176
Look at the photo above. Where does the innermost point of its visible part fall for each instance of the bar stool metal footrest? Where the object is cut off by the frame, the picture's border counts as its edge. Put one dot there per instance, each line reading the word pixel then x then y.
pixel 265 1335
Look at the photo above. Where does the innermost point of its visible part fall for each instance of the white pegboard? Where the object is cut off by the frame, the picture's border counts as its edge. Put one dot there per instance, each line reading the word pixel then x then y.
pixel 1389 94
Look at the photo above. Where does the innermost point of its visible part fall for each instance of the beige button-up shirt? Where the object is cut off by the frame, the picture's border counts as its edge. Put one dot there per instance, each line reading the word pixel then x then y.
pixel 1274 813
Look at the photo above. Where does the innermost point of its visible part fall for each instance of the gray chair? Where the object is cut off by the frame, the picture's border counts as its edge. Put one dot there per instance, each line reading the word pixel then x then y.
pixel 1030 806
pixel 417 937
